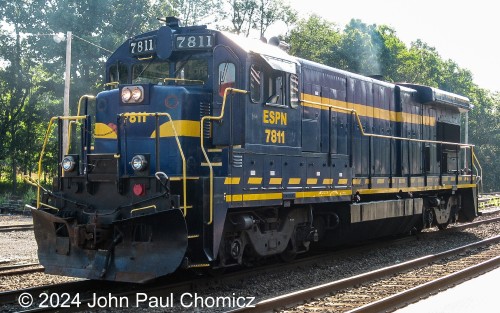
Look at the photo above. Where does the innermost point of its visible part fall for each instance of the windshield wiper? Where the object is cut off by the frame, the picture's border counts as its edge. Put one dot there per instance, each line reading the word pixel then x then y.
pixel 145 68
pixel 182 65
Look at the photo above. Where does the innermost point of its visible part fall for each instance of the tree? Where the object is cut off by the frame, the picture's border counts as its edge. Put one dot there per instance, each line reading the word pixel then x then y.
pixel 32 67
pixel 191 12
pixel 272 11
pixel 32 64
pixel 359 49
pixel 255 15
pixel 21 79
pixel 314 39
pixel 422 64
pixel 392 55
pixel 484 133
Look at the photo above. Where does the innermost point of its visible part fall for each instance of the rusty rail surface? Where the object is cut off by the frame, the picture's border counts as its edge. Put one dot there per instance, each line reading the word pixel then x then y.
pixel 7 228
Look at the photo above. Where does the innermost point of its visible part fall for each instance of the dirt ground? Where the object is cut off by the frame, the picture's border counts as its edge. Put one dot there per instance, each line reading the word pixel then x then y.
pixel 17 246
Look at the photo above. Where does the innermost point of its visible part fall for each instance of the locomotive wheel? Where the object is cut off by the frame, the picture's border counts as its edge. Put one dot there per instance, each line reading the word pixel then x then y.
pixel 289 254
pixel 453 219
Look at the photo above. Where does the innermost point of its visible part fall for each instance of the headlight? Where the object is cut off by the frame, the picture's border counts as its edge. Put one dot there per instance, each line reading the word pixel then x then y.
pixel 126 94
pixel 132 94
pixel 68 163
pixel 137 94
pixel 139 163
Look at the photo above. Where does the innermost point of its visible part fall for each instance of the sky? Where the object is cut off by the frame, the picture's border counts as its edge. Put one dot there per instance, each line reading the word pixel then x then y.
pixel 465 32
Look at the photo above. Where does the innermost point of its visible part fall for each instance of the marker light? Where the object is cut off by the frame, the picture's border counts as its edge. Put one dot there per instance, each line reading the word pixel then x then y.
pixel 139 163
pixel 68 163
pixel 139 190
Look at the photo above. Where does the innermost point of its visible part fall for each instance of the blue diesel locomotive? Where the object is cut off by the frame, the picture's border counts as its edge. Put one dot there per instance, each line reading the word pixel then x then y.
pixel 211 150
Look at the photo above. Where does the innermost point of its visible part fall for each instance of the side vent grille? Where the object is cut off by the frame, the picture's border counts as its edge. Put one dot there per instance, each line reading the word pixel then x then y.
pixel 205 110
pixel 237 160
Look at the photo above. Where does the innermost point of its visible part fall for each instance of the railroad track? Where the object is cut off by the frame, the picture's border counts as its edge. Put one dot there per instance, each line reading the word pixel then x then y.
pixel 9 300
pixel 86 290
pixel 20 227
pixel 174 285
pixel 19 269
pixel 392 287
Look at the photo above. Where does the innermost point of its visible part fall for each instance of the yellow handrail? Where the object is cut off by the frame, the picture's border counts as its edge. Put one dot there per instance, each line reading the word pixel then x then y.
pixel 143 208
pixel 30 181
pixel 217 118
pixel 184 175
pixel 70 124
pixel 480 167
pixel 69 118
pixel 360 125
pixel 358 120
pixel 49 206
pixel 111 84
pixel 183 80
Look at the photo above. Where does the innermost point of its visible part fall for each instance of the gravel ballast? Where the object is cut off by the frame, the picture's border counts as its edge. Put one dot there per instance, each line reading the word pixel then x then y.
pixel 21 247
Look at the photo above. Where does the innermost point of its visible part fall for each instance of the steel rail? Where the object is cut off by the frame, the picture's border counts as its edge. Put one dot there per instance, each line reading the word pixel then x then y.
pixel 17 266
pixel 298 297
pixel 197 283
pixel 411 295
pixel 7 228
pixel 21 269
pixel 11 296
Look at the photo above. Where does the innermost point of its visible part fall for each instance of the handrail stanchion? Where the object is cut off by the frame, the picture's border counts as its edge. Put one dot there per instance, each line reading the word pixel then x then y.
pixel 45 141
pixel 70 124
pixel 214 118
pixel 363 133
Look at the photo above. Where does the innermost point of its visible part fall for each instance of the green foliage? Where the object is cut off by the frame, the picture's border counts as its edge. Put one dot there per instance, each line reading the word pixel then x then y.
pixel 254 15
pixel 372 49
pixel 359 49
pixel 190 12
pixel 313 39
pixel 4 197
pixel 32 67
pixel 29 196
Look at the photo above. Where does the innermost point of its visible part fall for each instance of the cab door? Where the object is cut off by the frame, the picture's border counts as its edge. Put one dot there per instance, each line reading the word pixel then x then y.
pixel 227 73
pixel 225 134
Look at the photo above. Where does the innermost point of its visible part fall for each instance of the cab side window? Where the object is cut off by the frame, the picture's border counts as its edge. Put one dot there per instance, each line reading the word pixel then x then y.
pixel 118 73
pixel 294 91
pixel 256 79
pixel 276 89
pixel 282 89
pixel 227 74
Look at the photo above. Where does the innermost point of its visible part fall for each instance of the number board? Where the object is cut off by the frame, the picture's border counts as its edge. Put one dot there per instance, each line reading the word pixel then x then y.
pixel 143 46
pixel 194 41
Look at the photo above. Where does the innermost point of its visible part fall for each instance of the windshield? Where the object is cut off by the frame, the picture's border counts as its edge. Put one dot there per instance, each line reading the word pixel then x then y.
pixel 150 72
pixel 192 71
pixel 187 71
